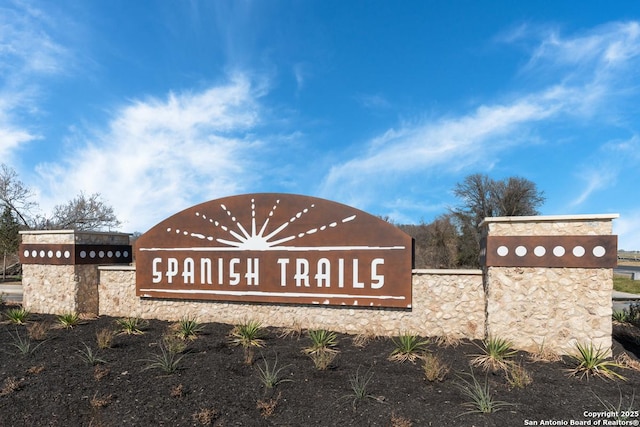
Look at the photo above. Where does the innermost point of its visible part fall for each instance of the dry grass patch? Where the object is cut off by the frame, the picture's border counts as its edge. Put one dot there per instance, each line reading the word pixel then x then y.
pixel 362 339
pixel 628 362
pixel 11 385
pixel 268 407
pixel 399 421
pixel 518 376
pixel 99 372
pixel 177 391
pixel 101 401
pixel 447 341
pixel 434 368
pixel 104 338
pixel 35 370
pixel 38 330
pixel 205 416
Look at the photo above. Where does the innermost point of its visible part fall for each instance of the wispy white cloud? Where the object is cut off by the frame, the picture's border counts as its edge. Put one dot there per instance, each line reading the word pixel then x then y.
pixel 28 53
pixel 589 71
pixel 159 156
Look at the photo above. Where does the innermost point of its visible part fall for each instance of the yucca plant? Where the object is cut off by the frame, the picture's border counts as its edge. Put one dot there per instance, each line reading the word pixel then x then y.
pixel 321 339
pixel 24 346
pixel 478 395
pixel 270 376
pixel 167 361
pixel 620 316
pixel 132 325
pixel 188 328
pixel 17 316
pixel 408 347
pixel 89 356
pixel 249 336
pixel 594 362
pixel 497 354
pixel 69 320
pixel 322 350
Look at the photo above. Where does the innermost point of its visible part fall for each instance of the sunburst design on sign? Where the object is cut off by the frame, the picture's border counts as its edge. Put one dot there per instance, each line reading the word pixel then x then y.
pixel 255 239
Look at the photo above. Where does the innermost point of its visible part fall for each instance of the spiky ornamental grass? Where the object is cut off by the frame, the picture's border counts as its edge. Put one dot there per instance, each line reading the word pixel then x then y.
pixel 479 396
pixel 89 356
pixel 408 347
pixel 594 362
pixel 188 328
pixel 322 350
pixel 132 325
pixel 249 336
pixel 69 320
pixel 497 355
pixel 271 375
pixel 17 316
pixel 166 360
pixel 24 346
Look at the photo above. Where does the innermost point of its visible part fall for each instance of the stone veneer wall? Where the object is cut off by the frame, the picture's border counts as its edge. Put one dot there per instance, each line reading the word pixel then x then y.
pixel 57 289
pixel 551 307
pixel 445 302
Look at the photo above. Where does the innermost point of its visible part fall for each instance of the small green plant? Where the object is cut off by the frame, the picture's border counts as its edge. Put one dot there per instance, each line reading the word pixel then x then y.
pixel 497 352
pixel 188 328
pixel 17 316
pixel 89 356
pixel 620 316
pixel 270 376
pixel 479 395
pixel 434 368
pixel 249 336
pixel 322 350
pixel 69 320
pixel 408 347
pixel 24 346
pixel 360 387
pixel 618 412
pixel 132 325
pixel 321 339
pixel 594 362
pixel 104 338
pixel 167 361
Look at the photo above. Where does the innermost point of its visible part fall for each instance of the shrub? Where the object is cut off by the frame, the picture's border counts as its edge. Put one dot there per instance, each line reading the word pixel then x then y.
pixel 408 348
pixel 18 316
pixel 593 362
pixel 248 335
pixel 132 325
pixel 497 353
pixel 69 320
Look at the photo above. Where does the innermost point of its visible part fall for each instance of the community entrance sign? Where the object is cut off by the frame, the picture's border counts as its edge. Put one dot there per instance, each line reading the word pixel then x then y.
pixel 277 248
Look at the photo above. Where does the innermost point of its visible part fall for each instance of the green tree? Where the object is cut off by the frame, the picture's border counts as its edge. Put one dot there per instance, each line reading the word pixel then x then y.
pixel 9 236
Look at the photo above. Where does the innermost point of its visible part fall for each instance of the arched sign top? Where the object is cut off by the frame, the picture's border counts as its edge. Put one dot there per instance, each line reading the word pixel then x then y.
pixel 271 221
pixel 269 246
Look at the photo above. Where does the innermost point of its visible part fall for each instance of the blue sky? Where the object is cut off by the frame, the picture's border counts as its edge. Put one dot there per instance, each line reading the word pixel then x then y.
pixel 382 105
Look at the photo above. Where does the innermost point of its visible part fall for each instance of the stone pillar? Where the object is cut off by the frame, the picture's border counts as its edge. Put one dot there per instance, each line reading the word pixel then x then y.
pixel 60 268
pixel 548 280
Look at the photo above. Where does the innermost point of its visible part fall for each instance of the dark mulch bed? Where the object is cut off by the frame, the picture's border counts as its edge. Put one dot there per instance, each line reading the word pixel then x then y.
pixel 56 386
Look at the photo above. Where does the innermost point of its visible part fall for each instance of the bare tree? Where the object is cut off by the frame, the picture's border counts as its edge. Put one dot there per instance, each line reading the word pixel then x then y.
pixel 84 213
pixel 15 195
pixel 484 197
pixel 9 237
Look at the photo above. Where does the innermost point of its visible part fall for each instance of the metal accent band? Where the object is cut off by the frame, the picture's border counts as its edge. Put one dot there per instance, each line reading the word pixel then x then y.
pixel 550 251
pixel 70 254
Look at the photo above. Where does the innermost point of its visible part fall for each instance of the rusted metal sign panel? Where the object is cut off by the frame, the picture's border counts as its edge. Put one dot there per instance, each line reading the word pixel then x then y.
pixel 276 248
pixel 550 251
pixel 71 254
